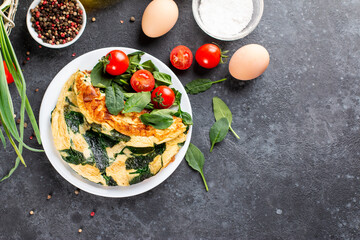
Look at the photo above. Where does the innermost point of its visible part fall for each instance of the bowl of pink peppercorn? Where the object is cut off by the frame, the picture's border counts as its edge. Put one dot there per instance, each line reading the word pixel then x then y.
pixel 56 23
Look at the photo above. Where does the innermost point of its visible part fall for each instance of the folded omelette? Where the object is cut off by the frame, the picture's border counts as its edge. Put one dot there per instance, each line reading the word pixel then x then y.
pixel 108 149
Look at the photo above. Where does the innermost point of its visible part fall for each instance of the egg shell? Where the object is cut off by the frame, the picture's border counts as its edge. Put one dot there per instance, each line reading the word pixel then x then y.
pixel 159 17
pixel 249 62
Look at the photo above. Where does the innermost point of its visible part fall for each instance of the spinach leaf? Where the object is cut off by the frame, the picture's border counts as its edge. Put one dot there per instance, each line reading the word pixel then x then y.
pixel 157 120
pixel 99 78
pixel 162 78
pixel 178 96
pixel 222 110
pixel 141 150
pixel 69 102
pixel 141 161
pixel 114 99
pixel 74 120
pixel 135 57
pixel 200 85
pixel 116 136
pixel 150 66
pixel 186 117
pixel 98 144
pixel 144 173
pixel 75 157
pixel 195 158
pixel 109 180
pixel 137 102
pixel 218 131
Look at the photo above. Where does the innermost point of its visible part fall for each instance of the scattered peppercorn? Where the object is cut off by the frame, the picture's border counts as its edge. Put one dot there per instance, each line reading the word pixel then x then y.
pixel 74 54
pixel 31 212
pixel 92 214
pixel 28 53
pixel 57 21
pixel 31 137
pixel 40 46
pixel 18 121
pixel 80 230
pixel 132 19
pixel 25 124
pixel 27 59
pixel 48 197
pixel 77 192
pixel 24 62
pixel 93 19
pixel 36 90
pixel 121 21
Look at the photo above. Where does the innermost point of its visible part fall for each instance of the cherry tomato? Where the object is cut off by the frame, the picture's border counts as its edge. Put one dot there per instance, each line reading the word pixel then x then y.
pixel 118 62
pixel 209 55
pixel 142 81
pixel 163 97
pixel 181 57
pixel 9 77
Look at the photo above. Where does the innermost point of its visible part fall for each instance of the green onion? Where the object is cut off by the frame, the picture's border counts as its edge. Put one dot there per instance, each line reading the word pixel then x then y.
pixel 6 104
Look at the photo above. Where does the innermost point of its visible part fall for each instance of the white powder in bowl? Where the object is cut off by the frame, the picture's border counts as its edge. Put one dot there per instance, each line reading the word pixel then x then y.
pixel 225 18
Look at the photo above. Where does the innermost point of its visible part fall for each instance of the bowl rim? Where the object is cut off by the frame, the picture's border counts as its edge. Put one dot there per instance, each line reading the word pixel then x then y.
pixel 49 101
pixel 235 37
pixel 34 35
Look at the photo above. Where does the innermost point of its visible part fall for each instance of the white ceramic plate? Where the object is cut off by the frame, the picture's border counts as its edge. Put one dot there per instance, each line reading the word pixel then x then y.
pixel 87 62
pixel 34 35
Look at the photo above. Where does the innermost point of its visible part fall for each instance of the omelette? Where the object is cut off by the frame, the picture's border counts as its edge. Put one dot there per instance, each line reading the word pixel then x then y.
pixel 109 149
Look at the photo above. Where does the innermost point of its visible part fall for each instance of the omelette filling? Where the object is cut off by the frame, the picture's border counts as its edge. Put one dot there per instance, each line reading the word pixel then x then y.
pixel 101 154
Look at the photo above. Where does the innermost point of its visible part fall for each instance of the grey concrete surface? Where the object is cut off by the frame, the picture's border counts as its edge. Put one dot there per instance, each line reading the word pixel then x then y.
pixel 294 174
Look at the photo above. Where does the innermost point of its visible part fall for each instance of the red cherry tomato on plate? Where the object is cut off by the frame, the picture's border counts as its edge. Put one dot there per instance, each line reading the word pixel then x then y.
pixel 142 81
pixel 181 57
pixel 118 62
pixel 9 77
pixel 163 97
pixel 209 55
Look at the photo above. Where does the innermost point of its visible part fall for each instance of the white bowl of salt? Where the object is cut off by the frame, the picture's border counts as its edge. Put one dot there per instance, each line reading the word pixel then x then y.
pixel 228 20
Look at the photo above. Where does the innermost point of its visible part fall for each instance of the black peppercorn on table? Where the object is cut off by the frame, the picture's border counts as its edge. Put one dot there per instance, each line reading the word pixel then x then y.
pixel 294 174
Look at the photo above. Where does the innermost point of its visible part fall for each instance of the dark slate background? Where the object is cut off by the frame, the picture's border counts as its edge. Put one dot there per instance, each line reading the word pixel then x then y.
pixel 294 174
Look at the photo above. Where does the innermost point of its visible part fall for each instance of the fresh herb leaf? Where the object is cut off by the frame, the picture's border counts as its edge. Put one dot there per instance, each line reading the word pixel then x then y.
pixel 157 120
pixel 195 158
pixel 99 78
pixel 218 131
pixel 186 117
pixel 140 150
pixel 144 173
pixel 75 157
pixel 162 78
pixel 114 99
pixel 141 161
pixel 222 110
pixel 135 57
pixel 74 120
pixel 109 180
pixel 200 85
pixel 178 96
pixel 137 102
pixel 150 66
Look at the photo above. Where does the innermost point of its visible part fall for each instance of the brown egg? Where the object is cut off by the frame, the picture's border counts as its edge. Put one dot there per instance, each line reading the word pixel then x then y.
pixel 249 62
pixel 159 17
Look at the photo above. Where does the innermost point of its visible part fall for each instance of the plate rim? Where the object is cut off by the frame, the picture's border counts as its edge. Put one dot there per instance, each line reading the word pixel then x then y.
pixel 91 187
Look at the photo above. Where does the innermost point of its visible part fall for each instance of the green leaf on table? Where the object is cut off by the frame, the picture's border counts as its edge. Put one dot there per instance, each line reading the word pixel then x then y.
pixel 195 158
pixel 222 110
pixel 99 78
pixel 150 66
pixel 200 85
pixel 162 78
pixel 114 99
pixel 218 131
pixel 137 102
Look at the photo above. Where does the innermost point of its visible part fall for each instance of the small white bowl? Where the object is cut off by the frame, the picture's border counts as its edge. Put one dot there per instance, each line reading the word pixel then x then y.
pixel 34 35
pixel 255 19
